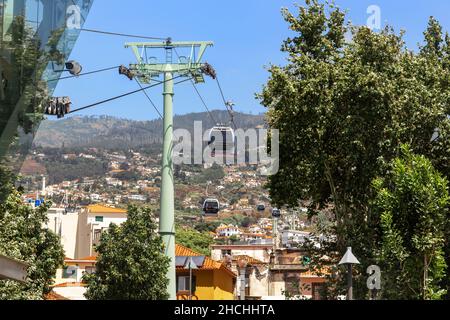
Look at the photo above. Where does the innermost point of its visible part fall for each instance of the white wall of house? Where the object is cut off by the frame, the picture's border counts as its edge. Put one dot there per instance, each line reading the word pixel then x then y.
pixel 108 219
pixel 65 225
pixel 71 293
pixel 259 284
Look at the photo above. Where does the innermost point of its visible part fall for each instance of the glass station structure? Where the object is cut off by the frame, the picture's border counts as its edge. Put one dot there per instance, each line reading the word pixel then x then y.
pixel 36 39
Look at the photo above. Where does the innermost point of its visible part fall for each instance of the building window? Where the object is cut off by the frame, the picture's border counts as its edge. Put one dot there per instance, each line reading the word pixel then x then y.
pixel 183 283
pixel 99 219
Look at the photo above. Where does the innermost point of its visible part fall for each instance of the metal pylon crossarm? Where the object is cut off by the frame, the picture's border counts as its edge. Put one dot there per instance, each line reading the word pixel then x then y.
pixel 191 66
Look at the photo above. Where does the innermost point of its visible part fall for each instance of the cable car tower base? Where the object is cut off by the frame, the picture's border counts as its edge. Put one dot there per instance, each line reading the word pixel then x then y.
pixel 145 71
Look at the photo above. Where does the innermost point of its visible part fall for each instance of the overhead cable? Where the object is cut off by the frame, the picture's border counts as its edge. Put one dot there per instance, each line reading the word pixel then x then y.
pixel 122 95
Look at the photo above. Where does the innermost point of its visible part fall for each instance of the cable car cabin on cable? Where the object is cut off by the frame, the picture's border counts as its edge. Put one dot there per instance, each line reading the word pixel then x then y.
pixel 222 141
pixel 211 207
pixel 276 213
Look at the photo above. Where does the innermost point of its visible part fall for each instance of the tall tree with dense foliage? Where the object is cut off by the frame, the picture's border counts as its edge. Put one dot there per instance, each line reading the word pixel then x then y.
pixel 413 204
pixel 198 241
pixel 131 264
pixel 23 237
pixel 344 108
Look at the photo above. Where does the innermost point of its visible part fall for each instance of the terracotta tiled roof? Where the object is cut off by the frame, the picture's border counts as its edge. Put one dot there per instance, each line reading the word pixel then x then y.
pixel 209 264
pixel 98 208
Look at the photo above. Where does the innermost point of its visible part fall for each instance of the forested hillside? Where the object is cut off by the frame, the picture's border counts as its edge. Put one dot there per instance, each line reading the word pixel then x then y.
pixel 115 133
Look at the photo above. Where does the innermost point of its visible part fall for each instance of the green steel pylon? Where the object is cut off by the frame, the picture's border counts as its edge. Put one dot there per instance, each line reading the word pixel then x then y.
pixel 145 71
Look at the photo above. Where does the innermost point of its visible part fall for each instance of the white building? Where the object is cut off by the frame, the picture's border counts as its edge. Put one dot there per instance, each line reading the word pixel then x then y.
pixel 291 238
pixel 114 182
pixel 81 229
pixel 94 220
pixel 65 224
pixel 225 231
pixel 138 197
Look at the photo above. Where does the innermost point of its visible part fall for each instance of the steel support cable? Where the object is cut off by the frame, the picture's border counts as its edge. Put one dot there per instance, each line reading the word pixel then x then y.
pixel 199 94
pixel 231 113
pixel 154 105
pixel 149 99
pixel 121 34
pixel 84 74
pixel 221 91
pixel 204 103
pixel 226 103
pixel 122 95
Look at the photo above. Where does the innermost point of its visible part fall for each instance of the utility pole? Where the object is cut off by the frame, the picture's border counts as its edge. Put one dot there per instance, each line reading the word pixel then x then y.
pixel 146 70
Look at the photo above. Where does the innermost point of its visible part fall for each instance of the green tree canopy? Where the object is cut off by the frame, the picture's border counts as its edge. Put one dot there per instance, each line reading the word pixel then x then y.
pixel 198 241
pixel 131 264
pixel 412 202
pixel 23 237
pixel 344 107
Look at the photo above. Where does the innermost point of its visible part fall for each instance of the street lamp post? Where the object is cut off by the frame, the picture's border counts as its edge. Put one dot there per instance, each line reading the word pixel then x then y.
pixel 191 266
pixel 349 259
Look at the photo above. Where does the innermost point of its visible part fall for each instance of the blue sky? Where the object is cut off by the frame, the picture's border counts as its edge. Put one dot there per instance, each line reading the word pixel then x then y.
pixel 247 36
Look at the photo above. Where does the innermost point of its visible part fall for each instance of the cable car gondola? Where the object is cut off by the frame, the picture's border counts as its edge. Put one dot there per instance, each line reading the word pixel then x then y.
pixel 276 213
pixel 211 207
pixel 222 141
pixel 261 207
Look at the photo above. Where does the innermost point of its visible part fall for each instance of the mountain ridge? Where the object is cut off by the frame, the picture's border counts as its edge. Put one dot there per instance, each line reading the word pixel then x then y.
pixel 112 132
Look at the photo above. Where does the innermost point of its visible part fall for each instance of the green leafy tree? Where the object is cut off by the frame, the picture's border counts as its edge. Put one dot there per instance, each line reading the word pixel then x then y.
pixel 344 108
pixel 198 241
pixel 23 237
pixel 412 202
pixel 130 264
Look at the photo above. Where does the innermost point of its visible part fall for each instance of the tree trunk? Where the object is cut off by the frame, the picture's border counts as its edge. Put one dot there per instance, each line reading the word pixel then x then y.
pixel 425 276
